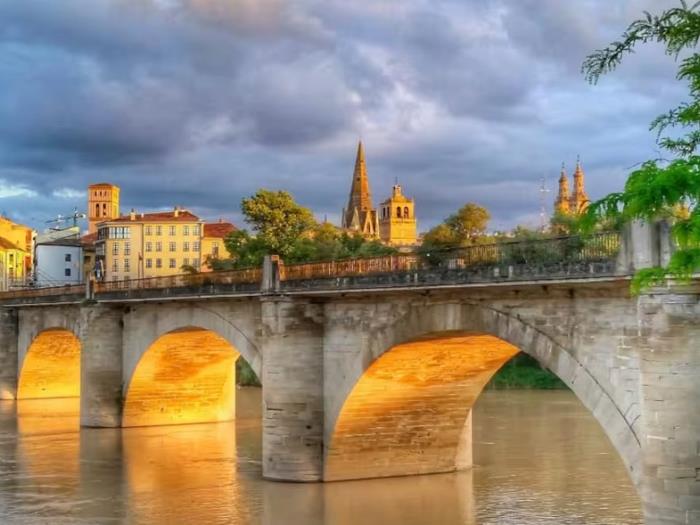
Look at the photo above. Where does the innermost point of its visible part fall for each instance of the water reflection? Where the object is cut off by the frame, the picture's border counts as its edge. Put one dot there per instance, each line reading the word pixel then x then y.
pixel 540 459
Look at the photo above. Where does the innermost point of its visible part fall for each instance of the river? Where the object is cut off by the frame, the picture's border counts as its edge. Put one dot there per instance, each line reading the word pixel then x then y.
pixel 540 459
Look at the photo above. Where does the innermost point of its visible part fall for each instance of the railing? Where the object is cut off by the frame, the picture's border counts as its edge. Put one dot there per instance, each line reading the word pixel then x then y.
pixel 569 250
pixel 564 257
pixel 48 291
pixel 196 280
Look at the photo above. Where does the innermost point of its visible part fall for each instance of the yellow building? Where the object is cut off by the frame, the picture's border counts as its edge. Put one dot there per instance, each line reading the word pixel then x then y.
pixel 397 220
pixel 142 245
pixel 577 201
pixel 13 270
pixel 22 238
pixel 103 204
pixel 213 246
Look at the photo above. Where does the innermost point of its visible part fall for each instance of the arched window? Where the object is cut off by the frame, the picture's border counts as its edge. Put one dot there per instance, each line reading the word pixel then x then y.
pixel 398 211
pixel 405 212
pixel 97 210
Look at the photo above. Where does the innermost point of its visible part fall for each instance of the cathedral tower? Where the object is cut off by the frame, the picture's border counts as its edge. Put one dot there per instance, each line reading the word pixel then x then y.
pixel 579 200
pixel 103 204
pixel 397 220
pixel 561 205
pixel 360 216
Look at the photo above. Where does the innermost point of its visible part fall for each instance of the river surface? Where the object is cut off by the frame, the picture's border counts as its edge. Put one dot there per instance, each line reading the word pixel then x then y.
pixel 540 459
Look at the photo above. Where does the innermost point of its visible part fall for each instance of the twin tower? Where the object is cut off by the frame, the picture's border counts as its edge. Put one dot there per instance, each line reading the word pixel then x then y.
pixel 394 224
pixel 571 203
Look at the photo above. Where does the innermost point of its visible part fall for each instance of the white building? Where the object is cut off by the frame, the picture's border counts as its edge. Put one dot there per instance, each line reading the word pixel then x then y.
pixel 58 262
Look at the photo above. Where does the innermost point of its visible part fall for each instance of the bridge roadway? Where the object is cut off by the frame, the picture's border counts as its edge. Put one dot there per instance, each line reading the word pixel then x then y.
pixel 370 368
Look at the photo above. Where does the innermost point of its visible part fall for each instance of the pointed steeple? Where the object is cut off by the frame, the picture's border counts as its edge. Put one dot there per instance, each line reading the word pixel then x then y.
pixel 561 205
pixel 360 198
pixel 579 199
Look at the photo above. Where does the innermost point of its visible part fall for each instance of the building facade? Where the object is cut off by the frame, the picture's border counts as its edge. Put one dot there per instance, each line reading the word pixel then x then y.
pixel 575 202
pixel 59 262
pixel 22 238
pixel 360 216
pixel 103 204
pixel 213 246
pixel 13 271
pixel 145 245
pixel 397 220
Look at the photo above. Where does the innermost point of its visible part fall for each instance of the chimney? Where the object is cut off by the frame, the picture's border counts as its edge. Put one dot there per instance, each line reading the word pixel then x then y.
pixel 176 213
pixel 132 215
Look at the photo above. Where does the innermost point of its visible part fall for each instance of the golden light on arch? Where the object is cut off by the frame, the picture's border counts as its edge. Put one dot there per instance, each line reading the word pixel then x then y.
pixel 410 412
pixel 51 368
pixel 186 376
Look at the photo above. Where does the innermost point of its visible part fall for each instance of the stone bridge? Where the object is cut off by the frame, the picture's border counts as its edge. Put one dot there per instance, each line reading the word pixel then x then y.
pixel 371 368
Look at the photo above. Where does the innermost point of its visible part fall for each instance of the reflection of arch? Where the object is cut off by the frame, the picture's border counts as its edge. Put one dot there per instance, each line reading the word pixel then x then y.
pixel 438 320
pixel 185 376
pixel 51 366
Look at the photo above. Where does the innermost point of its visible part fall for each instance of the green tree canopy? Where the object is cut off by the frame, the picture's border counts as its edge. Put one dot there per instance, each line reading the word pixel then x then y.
pixel 658 188
pixel 463 228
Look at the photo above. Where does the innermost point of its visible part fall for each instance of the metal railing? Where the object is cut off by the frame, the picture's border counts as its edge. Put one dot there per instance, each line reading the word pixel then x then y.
pixel 528 259
pixel 196 280
pixel 599 247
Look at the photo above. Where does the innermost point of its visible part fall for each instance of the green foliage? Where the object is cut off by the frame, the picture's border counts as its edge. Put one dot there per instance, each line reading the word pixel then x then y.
pixel 524 372
pixel 277 220
pixel 283 227
pixel 464 228
pixel 245 375
pixel 188 269
pixel 661 189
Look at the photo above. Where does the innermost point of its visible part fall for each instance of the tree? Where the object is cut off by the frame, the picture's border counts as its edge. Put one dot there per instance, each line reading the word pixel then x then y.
pixel 277 220
pixel 469 223
pixel 661 188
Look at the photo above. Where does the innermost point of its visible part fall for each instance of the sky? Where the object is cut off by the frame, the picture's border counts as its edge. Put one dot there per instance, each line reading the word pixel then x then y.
pixel 199 103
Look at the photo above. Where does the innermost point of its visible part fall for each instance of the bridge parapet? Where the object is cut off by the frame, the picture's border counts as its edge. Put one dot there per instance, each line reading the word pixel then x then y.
pixel 602 255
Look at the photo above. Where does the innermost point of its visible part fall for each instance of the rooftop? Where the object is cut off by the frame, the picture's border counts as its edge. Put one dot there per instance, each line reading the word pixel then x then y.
pixel 161 216
pixel 218 229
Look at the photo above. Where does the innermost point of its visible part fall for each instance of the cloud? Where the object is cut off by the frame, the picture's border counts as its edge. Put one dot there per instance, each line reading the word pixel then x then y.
pixel 9 190
pixel 201 102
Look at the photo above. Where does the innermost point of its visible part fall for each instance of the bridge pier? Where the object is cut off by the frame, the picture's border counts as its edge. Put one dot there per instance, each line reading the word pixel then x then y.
pixel 101 397
pixel 292 378
pixel 668 343
pixel 9 335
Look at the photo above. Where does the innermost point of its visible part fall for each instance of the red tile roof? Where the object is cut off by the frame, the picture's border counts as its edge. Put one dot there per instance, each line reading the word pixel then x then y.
pixel 89 239
pixel 165 216
pixel 218 230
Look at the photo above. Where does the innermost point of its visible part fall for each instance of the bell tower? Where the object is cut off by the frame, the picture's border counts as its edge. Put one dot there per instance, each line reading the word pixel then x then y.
pixel 103 204
pixel 397 219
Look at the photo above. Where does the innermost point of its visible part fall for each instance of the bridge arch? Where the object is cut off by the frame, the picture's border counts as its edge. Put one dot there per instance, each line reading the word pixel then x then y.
pixel 186 375
pixel 50 365
pixel 407 335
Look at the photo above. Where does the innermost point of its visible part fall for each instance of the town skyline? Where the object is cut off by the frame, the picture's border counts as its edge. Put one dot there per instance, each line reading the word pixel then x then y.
pixel 282 106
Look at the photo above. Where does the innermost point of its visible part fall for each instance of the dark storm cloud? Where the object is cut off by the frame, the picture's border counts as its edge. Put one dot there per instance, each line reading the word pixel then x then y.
pixel 201 102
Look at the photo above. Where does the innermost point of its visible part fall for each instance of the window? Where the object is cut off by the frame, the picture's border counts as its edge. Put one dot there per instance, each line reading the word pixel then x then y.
pixel 172 230
pixel 127 265
pixel 67 272
pixel 159 263
pixel 149 246
pixel 185 230
pixel 119 232
pixel 197 230
pixel 149 263
pixel 185 262
pixel 115 248
pixel 115 266
pixel 149 230
pixel 195 264
pixel 195 246
pixel 172 263
pixel 172 246
pixel 127 248
pixel 159 246
pixel 215 249
pixel 68 257
pixel 186 246
pixel 159 230
pixel 405 212
pixel 398 211
pixel 97 210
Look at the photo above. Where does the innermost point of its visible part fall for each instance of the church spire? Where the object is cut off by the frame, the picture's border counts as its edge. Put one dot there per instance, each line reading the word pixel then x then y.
pixel 579 199
pixel 561 205
pixel 360 198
